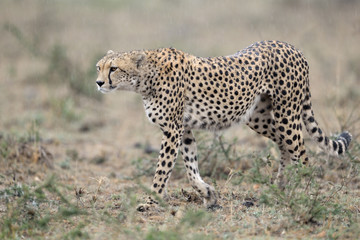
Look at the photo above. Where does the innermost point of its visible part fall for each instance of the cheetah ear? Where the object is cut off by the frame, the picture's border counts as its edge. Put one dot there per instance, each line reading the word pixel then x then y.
pixel 109 52
pixel 138 58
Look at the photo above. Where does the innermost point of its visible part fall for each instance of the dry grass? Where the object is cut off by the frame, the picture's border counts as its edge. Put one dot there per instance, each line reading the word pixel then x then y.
pixel 74 163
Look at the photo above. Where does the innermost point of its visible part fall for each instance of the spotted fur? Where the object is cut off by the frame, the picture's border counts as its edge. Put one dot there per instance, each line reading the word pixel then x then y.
pixel 265 86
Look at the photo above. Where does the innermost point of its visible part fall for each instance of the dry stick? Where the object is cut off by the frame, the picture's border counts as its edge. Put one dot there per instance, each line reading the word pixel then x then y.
pixel 100 182
pixel 349 178
pixel 313 204
pixel 308 183
pixel 230 175
pixel 206 157
pixel 226 153
pixel 335 191
pixel 293 189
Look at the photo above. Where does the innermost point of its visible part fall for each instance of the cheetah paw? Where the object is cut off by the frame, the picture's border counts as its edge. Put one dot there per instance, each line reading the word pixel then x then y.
pixel 143 207
pixel 150 203
pixel 214 207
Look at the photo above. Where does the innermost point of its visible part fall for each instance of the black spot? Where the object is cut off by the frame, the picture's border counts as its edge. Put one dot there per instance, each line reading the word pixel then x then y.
pixel 306 107
pixel 340 151
pixel 326 141
pixel 289 142
pixel 163 163
pixel 285 121
pixel 167 150
pixel 188 141
pixel 335 145
pixel 302 152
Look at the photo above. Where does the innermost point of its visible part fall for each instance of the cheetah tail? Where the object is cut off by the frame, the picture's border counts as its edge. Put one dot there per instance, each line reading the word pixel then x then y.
pixel 334 147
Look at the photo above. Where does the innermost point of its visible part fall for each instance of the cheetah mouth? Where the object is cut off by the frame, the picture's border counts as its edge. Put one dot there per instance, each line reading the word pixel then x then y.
pixel 103 90
pixel 107 90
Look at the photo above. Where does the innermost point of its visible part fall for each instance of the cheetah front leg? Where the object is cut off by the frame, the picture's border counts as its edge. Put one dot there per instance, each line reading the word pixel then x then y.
pixel 166 162
pixel 189 152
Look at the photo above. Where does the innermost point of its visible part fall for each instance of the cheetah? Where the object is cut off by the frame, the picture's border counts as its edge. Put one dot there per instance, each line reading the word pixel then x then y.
pixel 265 86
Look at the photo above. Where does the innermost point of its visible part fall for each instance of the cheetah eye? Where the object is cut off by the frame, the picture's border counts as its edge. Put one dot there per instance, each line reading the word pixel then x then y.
pixel 98 68
pixel 113 69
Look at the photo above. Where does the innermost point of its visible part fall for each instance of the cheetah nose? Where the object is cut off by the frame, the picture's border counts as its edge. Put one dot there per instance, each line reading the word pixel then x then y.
pixel 100 83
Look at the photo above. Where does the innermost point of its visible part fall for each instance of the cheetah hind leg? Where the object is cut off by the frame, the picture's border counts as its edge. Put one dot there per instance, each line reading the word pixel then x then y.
pixel 290 154
pixel 189 152
pixel 262 122
pixel 290 141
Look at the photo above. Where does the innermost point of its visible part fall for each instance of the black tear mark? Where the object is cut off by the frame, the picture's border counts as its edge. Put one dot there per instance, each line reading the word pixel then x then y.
pixel 188 141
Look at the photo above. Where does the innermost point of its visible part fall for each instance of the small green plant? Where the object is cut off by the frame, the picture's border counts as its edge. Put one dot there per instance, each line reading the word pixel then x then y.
pixel 194 218
pixel 15 190
pixel 4 148
pixel 303 198
pixel 25 215
pixel 33 134
pixel 27 148
pixel 216 155
pixel 218 158
pixel 65 164
pixel 260 173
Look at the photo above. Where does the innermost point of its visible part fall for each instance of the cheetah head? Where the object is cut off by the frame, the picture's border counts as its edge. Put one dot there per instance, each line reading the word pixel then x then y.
pixel 120 71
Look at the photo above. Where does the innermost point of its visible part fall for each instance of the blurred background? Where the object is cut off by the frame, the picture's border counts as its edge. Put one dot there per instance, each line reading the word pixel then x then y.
pixel 51 112
pixel 49 50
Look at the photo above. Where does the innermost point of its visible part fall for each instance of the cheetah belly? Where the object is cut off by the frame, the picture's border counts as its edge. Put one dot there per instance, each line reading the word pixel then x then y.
pixel 204 118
